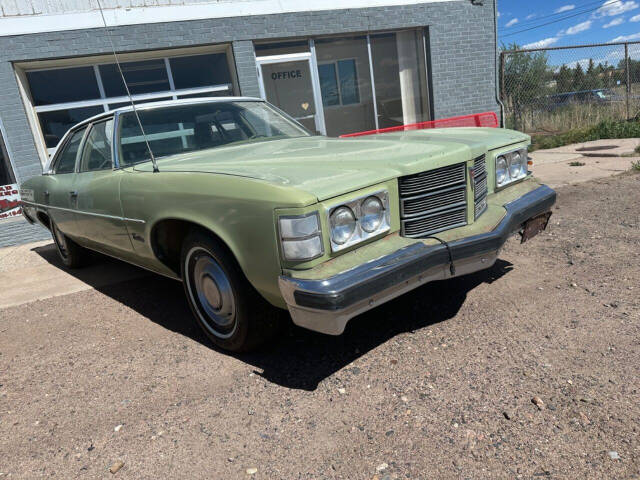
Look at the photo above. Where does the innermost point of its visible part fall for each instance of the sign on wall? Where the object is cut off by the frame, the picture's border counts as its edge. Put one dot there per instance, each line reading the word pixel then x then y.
pixel 9 201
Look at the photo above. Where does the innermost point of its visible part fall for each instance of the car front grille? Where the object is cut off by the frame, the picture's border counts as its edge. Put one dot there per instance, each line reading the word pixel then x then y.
pixel 480 185
pixel 433 201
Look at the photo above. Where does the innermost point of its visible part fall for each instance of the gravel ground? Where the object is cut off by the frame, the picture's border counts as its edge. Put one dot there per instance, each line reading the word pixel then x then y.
pixel 441 383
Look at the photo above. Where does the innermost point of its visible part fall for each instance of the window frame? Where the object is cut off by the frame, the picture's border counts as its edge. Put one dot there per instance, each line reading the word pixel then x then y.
pixel 11 174
pixel 21 68
pixel 83 144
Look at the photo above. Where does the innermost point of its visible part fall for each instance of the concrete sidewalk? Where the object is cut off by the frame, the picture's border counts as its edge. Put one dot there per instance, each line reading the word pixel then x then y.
pixel 34 272
pixel 586 161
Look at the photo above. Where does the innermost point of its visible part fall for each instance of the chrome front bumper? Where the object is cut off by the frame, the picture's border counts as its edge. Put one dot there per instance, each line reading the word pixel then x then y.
pixel 326 305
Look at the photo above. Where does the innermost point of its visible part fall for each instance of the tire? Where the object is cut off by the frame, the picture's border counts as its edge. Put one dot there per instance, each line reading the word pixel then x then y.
pixel 71 254
pixel 229 310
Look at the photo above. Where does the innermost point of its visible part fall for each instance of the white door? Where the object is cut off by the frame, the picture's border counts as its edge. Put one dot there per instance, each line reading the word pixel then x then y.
pixel 290 82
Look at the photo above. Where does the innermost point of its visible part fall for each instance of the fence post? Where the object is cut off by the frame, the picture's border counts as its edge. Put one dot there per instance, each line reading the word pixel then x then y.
pixel 628 76
pixel 502 54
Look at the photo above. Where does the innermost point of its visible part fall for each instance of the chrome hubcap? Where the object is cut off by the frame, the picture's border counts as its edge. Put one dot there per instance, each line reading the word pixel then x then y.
pixel 211 293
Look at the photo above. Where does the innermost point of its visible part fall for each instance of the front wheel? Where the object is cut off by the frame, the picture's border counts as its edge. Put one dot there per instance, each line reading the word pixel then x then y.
pixel 71 254
pixel 227 308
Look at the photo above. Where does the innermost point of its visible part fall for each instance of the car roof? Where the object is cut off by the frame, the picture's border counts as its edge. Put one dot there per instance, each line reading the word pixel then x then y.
pixel 165 103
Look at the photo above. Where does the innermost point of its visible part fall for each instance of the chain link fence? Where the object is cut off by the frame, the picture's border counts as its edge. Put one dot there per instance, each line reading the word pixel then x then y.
pixel 552 90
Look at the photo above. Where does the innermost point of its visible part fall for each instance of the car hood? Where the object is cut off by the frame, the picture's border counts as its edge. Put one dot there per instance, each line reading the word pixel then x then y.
pixel 327 167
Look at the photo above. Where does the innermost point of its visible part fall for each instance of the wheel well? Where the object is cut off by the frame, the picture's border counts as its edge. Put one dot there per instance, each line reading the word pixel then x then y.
pixel 168 236
pixel 44 219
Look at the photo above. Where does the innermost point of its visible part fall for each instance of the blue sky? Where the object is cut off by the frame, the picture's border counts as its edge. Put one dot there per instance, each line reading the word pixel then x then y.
pixel 575 22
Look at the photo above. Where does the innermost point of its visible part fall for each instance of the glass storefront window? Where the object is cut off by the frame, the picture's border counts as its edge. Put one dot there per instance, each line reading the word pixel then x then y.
pixel 399 73
pixel 363 82
pixel 63 97
pixel 62 85
pixel 343 65
pixel 142 77
pixel 55 124
pixel 200 70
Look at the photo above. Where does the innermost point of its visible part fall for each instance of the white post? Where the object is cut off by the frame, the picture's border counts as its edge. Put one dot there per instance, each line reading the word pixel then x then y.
pixel 409 80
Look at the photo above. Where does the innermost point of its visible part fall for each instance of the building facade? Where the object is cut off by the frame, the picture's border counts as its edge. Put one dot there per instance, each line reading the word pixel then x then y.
pixel 336 66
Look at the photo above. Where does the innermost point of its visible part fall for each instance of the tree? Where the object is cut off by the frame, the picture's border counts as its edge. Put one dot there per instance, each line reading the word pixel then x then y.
pixel 526 80
pixel 563 79
pixel 591 80
pixel 578 78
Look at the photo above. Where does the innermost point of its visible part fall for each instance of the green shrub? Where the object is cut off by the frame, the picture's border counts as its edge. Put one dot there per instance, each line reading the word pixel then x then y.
pixel 604 129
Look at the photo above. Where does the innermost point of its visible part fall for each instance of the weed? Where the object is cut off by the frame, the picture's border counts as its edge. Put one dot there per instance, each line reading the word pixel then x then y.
pixel 635 165
pixel 604 129
pixel 576 164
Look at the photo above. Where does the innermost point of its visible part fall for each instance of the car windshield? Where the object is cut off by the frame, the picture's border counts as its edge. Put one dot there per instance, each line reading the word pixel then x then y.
pixel 184 128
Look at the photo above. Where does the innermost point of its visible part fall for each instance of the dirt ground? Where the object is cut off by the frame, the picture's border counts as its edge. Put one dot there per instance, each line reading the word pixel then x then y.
pixel 436 384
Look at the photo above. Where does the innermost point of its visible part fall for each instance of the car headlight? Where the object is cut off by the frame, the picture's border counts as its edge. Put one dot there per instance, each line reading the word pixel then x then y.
pixel 501 170
pixel 510 167
pixel 358 220
pixel 300 237
pixel 372 214
pixel 514 165
pixel 343 225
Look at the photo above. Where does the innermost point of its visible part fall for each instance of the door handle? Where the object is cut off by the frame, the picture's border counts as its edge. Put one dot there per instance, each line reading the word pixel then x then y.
pixel 73 194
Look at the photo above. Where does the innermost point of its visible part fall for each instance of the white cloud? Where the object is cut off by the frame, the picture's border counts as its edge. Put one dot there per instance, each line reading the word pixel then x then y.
pixel 511 22
pixel 612 8
pixel 635 19
pixel 565 8
pixel 625 38
pixel 615 21
pixel 530 16
pixel 545 42
pixel 499 14
pixel 581 27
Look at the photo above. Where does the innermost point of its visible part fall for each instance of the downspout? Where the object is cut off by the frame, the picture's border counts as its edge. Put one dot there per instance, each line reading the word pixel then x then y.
pixel 497 74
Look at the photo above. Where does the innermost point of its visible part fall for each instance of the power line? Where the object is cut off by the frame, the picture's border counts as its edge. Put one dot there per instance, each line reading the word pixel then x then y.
pixel 558 20
pixel 537 19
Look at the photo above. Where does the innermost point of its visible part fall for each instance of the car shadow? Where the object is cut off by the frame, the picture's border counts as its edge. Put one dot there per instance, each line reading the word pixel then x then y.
pixel 299 359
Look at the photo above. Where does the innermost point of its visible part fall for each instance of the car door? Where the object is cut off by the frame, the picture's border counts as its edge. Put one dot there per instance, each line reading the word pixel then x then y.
pixel 58 195
pixel 99 222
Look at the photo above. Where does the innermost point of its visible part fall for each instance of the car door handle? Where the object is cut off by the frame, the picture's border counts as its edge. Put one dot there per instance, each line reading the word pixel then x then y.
pixel 73 194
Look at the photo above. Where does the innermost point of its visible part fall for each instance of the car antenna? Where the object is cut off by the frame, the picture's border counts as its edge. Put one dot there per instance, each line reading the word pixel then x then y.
pixel 133 106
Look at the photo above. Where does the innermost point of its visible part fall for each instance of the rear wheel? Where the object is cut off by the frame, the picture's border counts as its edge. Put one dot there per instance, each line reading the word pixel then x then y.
pixel 71 254
pixel 227 308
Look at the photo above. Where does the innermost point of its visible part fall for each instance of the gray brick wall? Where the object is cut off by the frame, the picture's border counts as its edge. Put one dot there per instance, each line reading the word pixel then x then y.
pixel 462 50
pixel 245 58
pixel 17 231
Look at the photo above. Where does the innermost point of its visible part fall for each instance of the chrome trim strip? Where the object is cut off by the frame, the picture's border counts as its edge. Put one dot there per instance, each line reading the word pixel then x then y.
pixel 102 215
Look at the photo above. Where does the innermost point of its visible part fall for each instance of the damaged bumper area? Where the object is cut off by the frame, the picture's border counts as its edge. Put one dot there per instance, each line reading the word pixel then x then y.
pixel 326 305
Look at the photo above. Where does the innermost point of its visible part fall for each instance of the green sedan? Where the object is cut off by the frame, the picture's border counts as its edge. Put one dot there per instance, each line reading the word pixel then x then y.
pixel 251 211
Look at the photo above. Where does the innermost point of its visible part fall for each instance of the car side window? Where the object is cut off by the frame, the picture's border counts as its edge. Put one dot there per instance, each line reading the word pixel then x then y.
pixel 96 154
pixel 66 160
